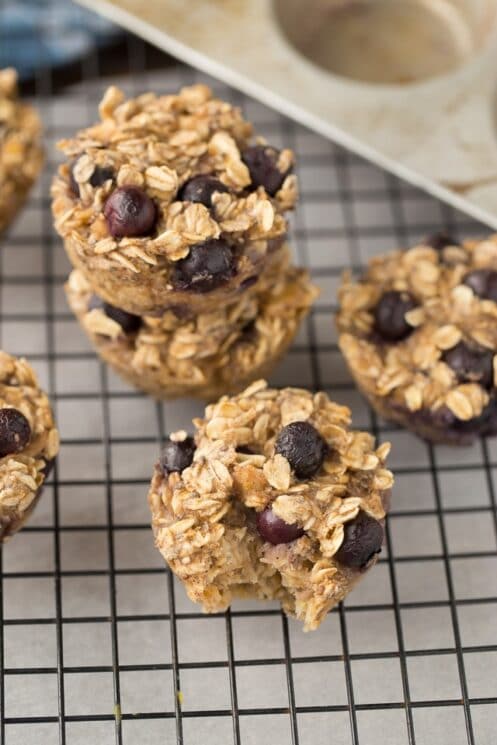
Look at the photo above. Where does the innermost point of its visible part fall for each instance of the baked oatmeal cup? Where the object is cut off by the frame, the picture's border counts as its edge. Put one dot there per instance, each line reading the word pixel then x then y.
pixel 21 152
pixel 274 497
pixel 203 356
pixel 29 442
pixel 419 334
pixel 169 202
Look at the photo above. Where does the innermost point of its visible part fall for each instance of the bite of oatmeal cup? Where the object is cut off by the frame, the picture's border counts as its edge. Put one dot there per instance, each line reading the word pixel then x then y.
pixel 274 497
pixel 419 334
pixel 29 442
pixel 169 201
pixel 21 152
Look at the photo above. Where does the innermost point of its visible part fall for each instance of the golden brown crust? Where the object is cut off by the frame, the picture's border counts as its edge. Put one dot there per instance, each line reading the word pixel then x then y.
pixel 204 518
pixel 158 143
pixel 21 152
pixel 22 474
pixel 206 355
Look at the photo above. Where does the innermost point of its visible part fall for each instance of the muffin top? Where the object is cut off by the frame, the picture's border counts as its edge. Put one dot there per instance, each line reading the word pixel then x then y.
pixel 420 327
pixel 288 451
pixel 160 176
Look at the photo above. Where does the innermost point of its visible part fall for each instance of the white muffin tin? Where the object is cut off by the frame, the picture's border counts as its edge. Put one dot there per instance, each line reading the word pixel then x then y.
pixel 408 84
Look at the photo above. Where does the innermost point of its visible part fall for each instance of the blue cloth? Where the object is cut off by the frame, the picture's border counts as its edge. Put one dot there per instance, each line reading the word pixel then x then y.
pixel 47 33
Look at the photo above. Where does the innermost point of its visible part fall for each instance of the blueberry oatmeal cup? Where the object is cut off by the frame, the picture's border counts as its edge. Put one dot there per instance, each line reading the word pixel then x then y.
pixel 275 497
pixel 169 202
pixel 205 355
pixel 21 152
pixel 29 442
pixel 419 334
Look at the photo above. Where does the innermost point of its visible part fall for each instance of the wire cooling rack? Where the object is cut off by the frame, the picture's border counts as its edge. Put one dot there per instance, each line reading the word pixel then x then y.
pixel 99 644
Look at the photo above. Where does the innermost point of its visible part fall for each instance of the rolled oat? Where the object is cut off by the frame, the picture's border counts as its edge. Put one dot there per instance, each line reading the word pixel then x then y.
pixel 237 522
pixel 29 442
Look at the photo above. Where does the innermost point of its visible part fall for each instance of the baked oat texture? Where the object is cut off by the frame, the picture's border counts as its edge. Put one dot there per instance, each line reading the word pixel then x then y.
pixel 409 381
pixel 204 518
pixel 22 474
pixel 21 152
pixel 210 354
pixel 158 143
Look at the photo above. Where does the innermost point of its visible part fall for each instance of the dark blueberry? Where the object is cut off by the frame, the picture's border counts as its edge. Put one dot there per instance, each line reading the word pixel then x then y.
pixel 48 468
pixel 303 447
pixel 248 329
pixel 249 282
pixel 389 315
pixel 362 540
pixel 488 419
pixel 441 425
pixel 15 432
pixel 72 181
pixel 439 241
pixel 441 418
pixel 471 364
pixel 208 265
pixel 127 321
pixel 484 424
pixel 177 455
pixel 461 431
pixel 261 160
pixel 483 282
pixel 201 188
pixel 275 530
pixel 130 212
pixel 245 449
pixel 100 175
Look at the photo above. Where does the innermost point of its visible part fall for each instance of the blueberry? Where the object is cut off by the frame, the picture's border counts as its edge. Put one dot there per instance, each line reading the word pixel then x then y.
pixel 303 447
pixel 439 241
pixel 389 315
pixel 72 181
pixel 362 540
pixel 261 160
pixel 48 468
pixel 275 530
pixel 471 364
pixel 130 212
pixel 487 421
pixel 15 432
pixel 177 455
pixel 248 330
pixel 100 175
pixel 208 265
pixel 485 424
pixel 127 321
pixel 245 450
pixel 483 282
pixel 201 188
pixel 249 282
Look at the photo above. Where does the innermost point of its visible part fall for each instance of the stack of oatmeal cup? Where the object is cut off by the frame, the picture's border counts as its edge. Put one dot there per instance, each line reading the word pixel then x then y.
pixel 173 217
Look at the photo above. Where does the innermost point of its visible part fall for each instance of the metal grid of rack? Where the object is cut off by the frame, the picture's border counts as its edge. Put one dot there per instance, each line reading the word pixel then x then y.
pixel 98 643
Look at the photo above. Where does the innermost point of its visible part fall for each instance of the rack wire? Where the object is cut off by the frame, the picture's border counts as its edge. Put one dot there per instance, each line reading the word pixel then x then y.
pixel 98 643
